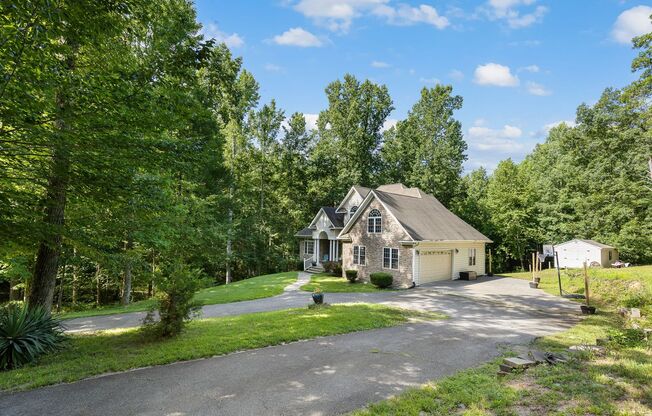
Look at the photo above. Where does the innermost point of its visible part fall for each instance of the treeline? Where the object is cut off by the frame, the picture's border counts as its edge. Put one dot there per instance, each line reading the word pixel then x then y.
pixel 130 145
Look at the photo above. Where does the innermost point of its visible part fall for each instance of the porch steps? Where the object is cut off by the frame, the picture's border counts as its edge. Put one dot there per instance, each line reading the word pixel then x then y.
pixel 314 269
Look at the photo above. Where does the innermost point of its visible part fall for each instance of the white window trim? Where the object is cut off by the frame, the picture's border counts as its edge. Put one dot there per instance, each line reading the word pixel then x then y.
pixel 398 258
pixel 374 218
pixel 306 243
pixel 356 260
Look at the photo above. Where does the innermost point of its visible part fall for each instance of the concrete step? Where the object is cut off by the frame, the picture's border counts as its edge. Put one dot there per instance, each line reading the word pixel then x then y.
pixel 314 269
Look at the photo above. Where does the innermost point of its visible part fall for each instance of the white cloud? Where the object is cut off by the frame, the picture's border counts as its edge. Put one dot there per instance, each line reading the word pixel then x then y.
pixel 212 31
pixel 273 68
pixel 456 74
pixel 496 140
pixel 405 15
pixel 631 23
pixel 495 74
pixel 388 124
pixel 338 15
pixel 537 89
pixel 550 126
pixel 530 68
pixel 508 11
pixel 379 64
pixel 297 37
pixel 430 80
pixel 311 121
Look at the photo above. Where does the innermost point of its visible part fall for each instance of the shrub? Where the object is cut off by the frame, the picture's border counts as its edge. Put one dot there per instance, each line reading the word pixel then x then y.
pixel 176 288
pixel 25 334
pixel 381 279
pixel 333 267
pixel 352 275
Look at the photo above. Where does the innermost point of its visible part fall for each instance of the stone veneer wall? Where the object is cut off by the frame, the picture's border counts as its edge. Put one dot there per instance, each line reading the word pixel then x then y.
pixel 374 243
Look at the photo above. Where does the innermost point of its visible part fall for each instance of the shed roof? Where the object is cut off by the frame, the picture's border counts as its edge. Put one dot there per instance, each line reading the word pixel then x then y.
pixel 591 242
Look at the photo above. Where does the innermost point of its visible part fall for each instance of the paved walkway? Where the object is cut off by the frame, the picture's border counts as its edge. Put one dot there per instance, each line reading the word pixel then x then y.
pixel 324 376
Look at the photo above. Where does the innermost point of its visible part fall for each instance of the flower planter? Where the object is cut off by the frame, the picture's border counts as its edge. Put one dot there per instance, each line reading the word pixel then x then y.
pixel 318 298
pixel 587 310
pixel 534 285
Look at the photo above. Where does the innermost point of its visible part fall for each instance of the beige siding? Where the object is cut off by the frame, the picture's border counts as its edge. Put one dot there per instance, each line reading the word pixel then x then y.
pixel 460 259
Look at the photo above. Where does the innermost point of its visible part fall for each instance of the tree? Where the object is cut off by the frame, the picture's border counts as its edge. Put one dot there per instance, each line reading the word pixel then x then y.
pixel 510 200
pixel 427 149
pixel 350 133
pixel 97 72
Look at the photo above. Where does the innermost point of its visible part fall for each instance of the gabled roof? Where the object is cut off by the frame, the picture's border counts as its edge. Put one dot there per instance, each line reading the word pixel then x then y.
pixel 336 219
pixel 361 190
pixel 591 242
pixel 306 232
pixel 422 216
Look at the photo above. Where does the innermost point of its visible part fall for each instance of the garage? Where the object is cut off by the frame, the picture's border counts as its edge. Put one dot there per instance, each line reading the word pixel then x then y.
pixel 434 265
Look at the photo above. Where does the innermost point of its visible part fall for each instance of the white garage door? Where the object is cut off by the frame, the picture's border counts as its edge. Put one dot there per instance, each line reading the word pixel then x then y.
pixel 434 265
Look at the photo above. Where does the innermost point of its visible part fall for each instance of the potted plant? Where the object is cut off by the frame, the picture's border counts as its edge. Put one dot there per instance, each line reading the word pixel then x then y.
pixel 317 296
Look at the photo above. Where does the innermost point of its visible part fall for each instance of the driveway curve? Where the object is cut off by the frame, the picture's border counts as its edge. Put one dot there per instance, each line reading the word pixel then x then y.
pixel 323 376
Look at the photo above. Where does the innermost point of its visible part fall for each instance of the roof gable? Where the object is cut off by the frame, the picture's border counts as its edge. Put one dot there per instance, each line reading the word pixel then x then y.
pixel 355 189
pixel 422 216
pixel 335 219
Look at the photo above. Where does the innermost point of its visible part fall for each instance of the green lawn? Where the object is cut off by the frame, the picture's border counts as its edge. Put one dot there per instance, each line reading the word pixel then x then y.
pixel 248 289
pixel 119 350
pixel 619 383
pixel 328 283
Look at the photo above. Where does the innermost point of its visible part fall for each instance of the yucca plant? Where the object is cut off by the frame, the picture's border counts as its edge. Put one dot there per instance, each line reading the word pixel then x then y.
pixel 25 334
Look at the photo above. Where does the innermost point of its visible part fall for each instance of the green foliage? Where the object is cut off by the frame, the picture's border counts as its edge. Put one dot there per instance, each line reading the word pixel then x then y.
pixel 381 279
pixel 25 334
pixel 627 337
pixel 177 285
pixel 351 275
pixel 427 149
pixel 332 267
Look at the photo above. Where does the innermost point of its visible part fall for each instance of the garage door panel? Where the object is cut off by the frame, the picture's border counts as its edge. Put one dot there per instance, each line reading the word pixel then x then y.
pixel 434 266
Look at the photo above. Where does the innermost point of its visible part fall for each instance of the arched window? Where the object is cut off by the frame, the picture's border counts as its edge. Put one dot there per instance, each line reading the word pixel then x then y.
pixel 374 221
pixel 353 210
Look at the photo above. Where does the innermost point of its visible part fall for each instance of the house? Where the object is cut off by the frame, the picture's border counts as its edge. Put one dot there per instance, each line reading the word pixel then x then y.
pixel 574 253
pixel 394 229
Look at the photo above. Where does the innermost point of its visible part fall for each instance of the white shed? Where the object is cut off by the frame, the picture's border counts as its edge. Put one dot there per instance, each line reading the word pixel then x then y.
pixel 574 253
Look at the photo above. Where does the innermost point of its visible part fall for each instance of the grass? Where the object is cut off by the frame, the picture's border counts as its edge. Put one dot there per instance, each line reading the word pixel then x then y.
pixel 328 283
pixel 248 289
pixel 618 383
pixel 120 350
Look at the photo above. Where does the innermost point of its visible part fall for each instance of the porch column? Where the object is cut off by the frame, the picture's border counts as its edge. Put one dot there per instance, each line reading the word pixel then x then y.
pixel 316 251
pixel 331 250
pixel 337 250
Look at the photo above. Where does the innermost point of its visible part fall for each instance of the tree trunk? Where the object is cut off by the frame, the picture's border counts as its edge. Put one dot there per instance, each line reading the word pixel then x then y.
pixel 97 285
pixel 75 277
pixel 12 293
pixel 126 292
pixel 43 282
pixel 60 293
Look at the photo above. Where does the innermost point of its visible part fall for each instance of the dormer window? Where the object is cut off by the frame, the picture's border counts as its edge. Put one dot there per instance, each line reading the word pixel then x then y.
pixel 374 222
pixel 353 210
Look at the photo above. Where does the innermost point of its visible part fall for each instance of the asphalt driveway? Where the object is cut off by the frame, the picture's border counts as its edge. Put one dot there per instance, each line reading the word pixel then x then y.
pixel 324 376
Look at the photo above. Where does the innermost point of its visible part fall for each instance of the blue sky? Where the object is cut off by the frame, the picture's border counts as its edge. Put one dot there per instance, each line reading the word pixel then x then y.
pixel 521 65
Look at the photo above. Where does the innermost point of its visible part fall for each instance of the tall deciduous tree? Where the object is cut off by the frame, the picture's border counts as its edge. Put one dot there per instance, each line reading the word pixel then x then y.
pixel 427 149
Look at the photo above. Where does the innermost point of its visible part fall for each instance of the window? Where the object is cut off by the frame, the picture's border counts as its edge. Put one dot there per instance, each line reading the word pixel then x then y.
pixel 390 258
pixel 359 255
pixel 374 221
pixel 308 247
pixel 353 210
pixel 472 252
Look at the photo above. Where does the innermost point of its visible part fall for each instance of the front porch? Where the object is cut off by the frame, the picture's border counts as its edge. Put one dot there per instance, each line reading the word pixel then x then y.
pixel 317 251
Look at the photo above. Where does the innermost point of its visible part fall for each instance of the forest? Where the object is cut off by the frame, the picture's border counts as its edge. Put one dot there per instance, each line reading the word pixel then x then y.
pixel 130 147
